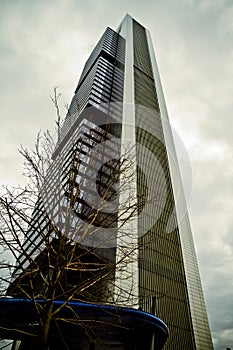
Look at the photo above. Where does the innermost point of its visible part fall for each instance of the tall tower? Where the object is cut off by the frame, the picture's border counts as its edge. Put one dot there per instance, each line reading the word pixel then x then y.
pixel 119 103
pixel 168 277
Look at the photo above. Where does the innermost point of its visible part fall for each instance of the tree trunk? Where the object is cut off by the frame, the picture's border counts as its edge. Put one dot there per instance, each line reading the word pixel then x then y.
pixel 46 318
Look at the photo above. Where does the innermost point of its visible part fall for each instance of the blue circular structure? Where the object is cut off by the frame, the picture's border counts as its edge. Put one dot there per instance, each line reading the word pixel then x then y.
pixel 82 326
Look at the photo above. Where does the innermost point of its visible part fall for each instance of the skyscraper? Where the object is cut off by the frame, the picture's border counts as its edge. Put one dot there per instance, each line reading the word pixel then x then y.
pixel 118 112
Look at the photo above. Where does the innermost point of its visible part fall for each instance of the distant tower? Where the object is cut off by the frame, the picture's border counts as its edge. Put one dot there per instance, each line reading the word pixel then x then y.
pixel 121 81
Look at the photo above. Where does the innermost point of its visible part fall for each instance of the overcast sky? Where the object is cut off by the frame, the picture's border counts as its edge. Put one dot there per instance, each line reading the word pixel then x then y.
pixel 46 43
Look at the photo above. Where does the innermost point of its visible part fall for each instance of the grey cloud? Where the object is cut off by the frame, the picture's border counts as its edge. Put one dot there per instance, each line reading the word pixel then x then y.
pixel 44 44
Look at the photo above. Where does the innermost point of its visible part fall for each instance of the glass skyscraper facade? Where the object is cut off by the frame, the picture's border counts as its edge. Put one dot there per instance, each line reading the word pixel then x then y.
pixel 119 97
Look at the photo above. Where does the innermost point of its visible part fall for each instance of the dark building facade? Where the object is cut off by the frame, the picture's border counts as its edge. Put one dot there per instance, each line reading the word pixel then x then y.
pixel 118 102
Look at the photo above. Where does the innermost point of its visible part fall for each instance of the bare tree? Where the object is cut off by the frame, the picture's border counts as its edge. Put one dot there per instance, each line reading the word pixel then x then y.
pixel 48 230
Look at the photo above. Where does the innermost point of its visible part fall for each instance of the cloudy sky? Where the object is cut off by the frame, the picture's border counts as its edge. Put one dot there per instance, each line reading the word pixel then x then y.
pixel 45 44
